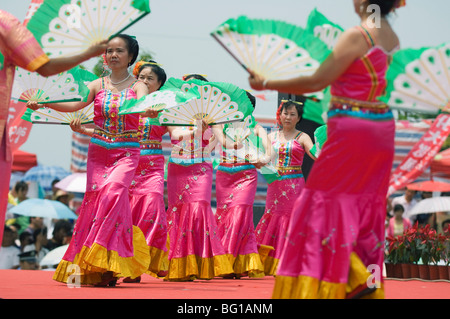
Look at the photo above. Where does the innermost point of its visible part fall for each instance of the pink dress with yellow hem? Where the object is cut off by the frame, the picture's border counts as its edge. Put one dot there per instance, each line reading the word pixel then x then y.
pixel 195 249
pixel 147 195
pixel 104 238
pixel 337 227
pixel 236 184
pixel 281 193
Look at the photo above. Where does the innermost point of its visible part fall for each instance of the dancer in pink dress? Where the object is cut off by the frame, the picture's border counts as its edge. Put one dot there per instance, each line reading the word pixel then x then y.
pixel 105 244
pixel 334 247
pixel 195 247
pixel 288 146
pixel 18 47
pixel 236 182
pixel 147 188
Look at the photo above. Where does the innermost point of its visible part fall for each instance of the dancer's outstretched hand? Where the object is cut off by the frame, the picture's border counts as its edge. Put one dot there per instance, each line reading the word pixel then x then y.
pixel 33 105
pixel 256 81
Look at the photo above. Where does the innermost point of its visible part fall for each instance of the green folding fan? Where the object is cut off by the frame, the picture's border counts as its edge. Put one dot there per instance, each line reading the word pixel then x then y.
pixel 239 131
pixel 324 29
pixel 320 137
pixel 271 48
pixel 252 148
pixel 217 103
pixel 159 100
pixel 243 132
pixel 315 109
pixel 63 87
pixel 69 27
pixel 47 115
pixel 419 80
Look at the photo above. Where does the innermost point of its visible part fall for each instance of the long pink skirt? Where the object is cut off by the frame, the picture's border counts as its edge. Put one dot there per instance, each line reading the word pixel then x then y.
pixel 195 247
pixel 104 238
pixel 337 227
pixel 272 228
pixel 149 211
pixel 235 193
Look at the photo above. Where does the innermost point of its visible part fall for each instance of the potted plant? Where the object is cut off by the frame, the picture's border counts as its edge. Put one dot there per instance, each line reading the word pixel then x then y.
pixel 418 251
pixel 393 257
pixel 413 241
pixel 426 236
pixel 398 256
pixel 442 254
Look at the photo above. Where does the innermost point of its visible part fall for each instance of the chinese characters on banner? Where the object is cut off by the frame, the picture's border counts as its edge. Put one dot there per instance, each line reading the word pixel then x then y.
pixel 421 154
pixel 20 129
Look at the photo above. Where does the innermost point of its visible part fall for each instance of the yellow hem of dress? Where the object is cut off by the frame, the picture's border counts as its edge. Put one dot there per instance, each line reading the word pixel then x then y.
pixel 358 276
pixel 186 268
pixel 159 261
pixel 93 261
pixel 304 287
pixel 270 263
pixel 250 264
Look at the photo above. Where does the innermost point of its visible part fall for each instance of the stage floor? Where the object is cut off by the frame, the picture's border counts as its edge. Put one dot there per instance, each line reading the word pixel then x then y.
pixel 29 284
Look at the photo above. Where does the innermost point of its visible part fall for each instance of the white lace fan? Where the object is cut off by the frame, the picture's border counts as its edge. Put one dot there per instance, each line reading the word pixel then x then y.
pixel 273 49
pixel 63 87
pixel 419 80
pixel 69 27
pixel 216 103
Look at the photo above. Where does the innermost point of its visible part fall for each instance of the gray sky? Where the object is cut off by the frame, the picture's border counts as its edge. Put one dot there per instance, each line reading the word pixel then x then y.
pixel 177 32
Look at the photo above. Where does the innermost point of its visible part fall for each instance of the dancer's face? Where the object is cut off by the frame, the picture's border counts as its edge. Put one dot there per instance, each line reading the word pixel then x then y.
pixel 117 55
pixel 289 117
pixel 149 78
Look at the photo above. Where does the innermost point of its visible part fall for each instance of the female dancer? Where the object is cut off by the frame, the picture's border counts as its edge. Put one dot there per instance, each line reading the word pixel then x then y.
pixel 236 183
pixel 337 224
pixel 105 244
pixel 147 188
pixel 195 248
pixel 288 148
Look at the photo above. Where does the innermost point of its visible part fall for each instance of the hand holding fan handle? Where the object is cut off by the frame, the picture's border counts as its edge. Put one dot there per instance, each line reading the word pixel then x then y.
pixel 33 105
pixel 76 126
pixel 151 113
pixel 256 81
pixel 259 83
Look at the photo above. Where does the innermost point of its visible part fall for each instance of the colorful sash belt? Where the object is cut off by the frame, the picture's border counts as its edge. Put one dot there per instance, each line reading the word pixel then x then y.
pixel 361 109
pixel 128 139
pixel 151 147
pixel 287 172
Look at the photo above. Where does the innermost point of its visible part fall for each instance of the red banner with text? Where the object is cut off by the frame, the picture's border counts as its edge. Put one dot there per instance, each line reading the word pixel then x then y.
pixel 19 130
pixel 421 155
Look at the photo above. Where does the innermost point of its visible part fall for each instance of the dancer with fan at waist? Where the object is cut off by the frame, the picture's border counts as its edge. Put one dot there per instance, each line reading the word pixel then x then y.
pixel 236 183
pixel 337 225
pixel 287 148
pixel 105 244
pixel 195 249
pixel 147 187
pixel 18 47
